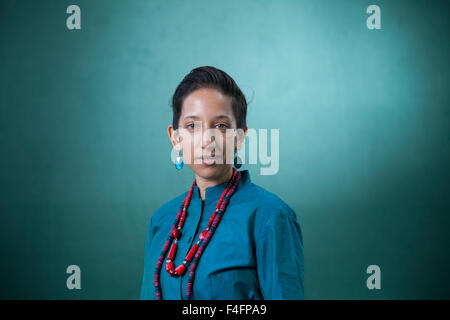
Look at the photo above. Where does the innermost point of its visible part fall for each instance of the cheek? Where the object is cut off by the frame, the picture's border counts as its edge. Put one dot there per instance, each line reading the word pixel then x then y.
pixel 187 142
pixel 228 142
pixel 191 144
pixel 225 145
pixel 221 143
pixel 188 138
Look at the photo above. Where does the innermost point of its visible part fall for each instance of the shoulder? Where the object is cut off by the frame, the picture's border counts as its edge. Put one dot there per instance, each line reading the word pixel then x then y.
pixel 273 215
pixel 269 206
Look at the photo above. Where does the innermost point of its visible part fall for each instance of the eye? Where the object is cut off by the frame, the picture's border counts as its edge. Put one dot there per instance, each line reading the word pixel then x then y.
pixel 222 126
pixel 191 126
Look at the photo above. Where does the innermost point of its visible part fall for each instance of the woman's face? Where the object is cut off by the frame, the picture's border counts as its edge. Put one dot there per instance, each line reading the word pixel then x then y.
pixel 206 114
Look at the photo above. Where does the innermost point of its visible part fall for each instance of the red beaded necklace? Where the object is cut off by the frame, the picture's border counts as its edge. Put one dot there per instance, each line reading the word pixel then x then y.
pixel 194 254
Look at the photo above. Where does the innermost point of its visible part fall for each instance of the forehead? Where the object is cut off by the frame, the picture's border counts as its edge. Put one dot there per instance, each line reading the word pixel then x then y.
pixel 206 103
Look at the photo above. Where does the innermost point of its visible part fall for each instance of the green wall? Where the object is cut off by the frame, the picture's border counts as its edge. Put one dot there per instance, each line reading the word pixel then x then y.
pixel 364 136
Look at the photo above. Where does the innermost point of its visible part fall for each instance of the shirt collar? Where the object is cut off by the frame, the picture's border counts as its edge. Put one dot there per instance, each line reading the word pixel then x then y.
pixel 212 194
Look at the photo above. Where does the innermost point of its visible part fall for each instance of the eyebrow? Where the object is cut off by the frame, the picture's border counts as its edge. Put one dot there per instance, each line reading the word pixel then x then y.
pixel 217 117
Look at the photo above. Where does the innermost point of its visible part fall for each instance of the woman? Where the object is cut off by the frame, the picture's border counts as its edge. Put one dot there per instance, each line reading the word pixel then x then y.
pixel 225 238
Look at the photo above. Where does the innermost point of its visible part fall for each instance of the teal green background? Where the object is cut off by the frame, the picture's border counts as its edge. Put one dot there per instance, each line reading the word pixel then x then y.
pixel 364 136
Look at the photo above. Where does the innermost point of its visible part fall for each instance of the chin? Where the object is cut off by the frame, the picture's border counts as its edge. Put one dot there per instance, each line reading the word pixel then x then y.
pixel 209 172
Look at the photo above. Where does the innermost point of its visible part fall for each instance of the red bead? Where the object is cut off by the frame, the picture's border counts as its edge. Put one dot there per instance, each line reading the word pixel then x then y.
pixel 181 269
pixel 211 220
pixel 173 251
pixel 176 233
pixel 203 234
pixel 191 253
pixel 169 268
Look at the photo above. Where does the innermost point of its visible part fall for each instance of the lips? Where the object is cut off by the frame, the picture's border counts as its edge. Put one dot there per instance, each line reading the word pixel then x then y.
pixel 207 157
pixel 208 160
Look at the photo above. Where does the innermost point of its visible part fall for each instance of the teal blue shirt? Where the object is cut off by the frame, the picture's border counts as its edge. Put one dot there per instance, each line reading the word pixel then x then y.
pixel 255 253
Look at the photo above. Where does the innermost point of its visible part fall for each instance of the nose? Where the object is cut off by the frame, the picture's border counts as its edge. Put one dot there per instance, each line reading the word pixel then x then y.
pixel 208 138
pixel 208 141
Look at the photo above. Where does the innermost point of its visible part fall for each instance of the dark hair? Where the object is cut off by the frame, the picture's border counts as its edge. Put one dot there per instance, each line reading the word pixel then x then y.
pixel 210 77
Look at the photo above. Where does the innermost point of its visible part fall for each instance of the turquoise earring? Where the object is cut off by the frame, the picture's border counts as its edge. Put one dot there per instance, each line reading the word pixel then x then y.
pixel 179 162
pixel 237 161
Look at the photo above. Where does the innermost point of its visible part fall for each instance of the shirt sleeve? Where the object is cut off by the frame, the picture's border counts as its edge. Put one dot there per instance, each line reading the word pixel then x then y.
pixel 147 279
pixel 279 257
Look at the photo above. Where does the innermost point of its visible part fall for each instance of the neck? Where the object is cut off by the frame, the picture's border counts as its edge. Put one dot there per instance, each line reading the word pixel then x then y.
pixel 203 183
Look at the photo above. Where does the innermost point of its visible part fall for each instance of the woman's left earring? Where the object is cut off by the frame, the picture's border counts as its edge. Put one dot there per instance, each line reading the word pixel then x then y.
pixel 179 162
pixel 237 161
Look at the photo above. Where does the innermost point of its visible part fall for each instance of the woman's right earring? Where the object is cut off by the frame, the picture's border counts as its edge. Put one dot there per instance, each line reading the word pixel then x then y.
pixel 179 162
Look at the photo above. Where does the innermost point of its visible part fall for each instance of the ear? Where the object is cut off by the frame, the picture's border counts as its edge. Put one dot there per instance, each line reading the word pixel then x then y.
pixel 175 137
